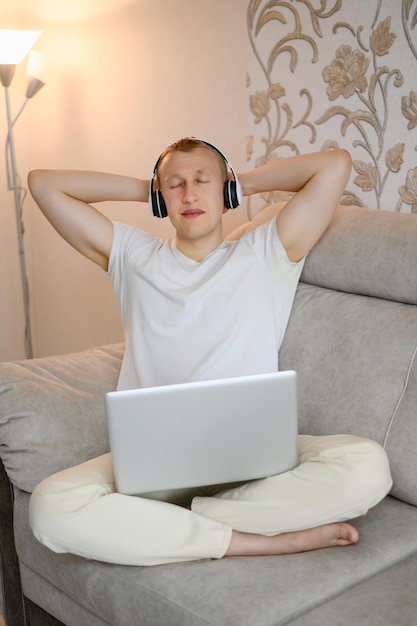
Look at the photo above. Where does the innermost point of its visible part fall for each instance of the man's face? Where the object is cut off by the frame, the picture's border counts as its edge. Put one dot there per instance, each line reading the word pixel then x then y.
pixel 192 187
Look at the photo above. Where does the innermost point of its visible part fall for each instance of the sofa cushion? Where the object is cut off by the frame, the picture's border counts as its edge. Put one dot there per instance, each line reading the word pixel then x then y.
pixel 389 598
pixel 52 412
pixel 240 591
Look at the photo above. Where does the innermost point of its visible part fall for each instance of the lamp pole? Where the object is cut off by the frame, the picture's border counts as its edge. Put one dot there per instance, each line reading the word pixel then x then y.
pixel 6 77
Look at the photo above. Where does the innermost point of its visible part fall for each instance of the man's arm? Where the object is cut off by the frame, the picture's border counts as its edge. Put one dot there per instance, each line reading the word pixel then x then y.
pixel 318 179
pixel 64 197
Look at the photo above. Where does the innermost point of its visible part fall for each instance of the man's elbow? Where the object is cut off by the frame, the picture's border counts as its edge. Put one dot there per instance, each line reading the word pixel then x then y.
pixel 343 163
pixel 34 180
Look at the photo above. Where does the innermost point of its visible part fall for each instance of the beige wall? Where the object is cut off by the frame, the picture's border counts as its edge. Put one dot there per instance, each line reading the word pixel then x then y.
pixel 125 78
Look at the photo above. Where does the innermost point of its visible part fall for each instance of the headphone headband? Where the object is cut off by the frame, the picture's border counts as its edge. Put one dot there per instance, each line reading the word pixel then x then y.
pixel 232 190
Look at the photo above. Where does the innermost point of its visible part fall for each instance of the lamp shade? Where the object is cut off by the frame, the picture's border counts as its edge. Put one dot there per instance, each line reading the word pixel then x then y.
pixel 15 44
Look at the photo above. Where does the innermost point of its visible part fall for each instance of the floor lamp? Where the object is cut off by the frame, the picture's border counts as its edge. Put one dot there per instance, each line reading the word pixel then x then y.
pixel 14 46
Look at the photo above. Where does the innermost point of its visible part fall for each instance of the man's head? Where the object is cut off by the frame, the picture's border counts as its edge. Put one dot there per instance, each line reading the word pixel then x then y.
pixel 190 184
pixel 231 189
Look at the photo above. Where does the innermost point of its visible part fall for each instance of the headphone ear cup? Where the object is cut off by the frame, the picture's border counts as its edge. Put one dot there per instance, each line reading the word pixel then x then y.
pixel 158 205
pixel 231 199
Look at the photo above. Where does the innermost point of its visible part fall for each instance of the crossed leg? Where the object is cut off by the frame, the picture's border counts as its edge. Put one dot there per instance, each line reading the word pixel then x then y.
pixel 78 510
pixel 338 478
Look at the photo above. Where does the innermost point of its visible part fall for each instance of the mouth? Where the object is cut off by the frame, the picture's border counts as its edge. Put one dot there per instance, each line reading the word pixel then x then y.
pixel 192 213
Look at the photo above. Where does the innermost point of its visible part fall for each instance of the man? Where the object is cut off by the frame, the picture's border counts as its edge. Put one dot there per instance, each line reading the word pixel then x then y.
pixel 196 308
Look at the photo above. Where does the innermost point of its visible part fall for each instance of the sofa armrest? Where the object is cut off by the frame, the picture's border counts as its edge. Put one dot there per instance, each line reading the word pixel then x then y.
pixel 13 601
pixel 52 412
pixel 17 609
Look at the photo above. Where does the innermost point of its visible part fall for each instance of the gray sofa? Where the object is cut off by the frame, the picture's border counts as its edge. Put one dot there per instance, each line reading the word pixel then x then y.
pixel 352 337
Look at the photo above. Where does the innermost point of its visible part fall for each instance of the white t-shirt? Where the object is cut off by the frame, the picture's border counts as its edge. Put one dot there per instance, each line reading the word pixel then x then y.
pixel 186 320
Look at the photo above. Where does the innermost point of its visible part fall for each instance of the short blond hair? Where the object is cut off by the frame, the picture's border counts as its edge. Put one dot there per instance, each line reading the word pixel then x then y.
pixel 187 144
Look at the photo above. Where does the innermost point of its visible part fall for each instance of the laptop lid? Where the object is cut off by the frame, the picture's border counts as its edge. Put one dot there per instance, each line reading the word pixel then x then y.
pixel 203 433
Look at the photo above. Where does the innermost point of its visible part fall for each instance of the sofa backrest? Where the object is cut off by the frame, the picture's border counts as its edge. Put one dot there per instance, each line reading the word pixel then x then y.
pixel 367 252
pixel 352 336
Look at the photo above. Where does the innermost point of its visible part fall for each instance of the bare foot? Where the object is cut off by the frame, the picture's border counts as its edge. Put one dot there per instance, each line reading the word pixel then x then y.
pixel 247 544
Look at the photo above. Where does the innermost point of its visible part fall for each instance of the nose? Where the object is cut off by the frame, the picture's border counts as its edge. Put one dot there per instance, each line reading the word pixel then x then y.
pixel 189 193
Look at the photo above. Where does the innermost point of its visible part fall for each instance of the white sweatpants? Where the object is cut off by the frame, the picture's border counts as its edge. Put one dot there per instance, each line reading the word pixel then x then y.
pixel 77 510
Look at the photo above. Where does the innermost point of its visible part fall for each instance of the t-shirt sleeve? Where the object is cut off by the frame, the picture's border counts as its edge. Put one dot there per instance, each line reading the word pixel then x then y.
pixel 130 245
pixel 266 244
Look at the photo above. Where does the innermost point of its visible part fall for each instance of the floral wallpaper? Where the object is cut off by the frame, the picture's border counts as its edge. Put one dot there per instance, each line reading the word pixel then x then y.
pixel 324 74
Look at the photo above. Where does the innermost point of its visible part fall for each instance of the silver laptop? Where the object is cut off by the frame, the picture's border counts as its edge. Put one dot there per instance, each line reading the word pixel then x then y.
pixel 203 433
